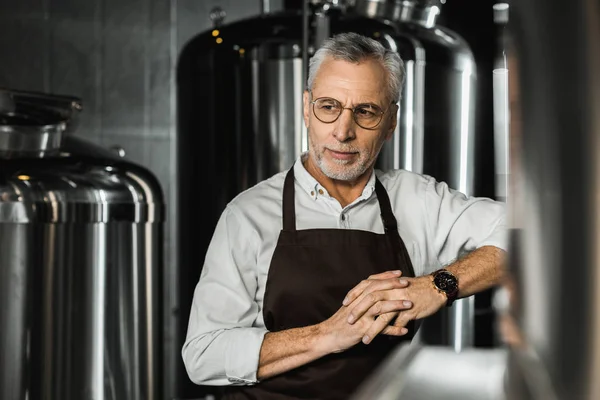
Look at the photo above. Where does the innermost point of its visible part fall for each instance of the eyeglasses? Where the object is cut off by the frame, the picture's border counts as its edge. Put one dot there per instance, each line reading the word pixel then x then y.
pixel 328 110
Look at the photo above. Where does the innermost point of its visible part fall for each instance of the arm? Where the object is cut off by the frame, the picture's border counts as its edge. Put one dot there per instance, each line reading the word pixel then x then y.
pixel 456 225
pixel 479 270
pixel 285 350
pixel 223 343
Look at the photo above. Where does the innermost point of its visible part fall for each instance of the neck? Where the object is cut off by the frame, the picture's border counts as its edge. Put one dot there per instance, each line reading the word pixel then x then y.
pixel 343 191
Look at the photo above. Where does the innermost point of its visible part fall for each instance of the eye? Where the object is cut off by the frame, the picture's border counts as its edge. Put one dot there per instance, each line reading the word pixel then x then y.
pixel 366 112
pixel 328 105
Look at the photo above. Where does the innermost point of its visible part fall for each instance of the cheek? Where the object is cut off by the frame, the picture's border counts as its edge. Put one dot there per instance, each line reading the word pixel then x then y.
pixel 372 145
pixel 318 134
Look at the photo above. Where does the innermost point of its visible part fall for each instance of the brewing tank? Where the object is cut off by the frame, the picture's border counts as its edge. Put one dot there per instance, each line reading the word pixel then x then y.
pixel 80 262
pixel 239 106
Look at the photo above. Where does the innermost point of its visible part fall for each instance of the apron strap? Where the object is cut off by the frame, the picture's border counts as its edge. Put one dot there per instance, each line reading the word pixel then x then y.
pixel 289 204
pixel 387 216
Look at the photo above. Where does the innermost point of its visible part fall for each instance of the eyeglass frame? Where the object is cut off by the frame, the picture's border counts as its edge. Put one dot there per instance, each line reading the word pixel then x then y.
pixel 348 108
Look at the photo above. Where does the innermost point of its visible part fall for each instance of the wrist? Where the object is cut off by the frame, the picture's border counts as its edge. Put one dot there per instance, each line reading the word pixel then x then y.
pixel 323 341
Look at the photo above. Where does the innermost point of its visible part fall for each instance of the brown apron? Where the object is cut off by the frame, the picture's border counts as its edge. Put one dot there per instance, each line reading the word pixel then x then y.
pixel 311 272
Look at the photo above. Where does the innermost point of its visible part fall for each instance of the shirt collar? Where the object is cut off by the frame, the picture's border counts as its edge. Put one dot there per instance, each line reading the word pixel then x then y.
pixel 314 189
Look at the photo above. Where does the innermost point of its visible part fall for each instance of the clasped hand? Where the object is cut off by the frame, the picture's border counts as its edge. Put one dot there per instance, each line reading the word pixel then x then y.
pixel 382 304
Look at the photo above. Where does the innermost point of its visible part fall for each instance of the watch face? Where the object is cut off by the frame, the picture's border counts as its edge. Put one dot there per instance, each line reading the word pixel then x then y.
pixel 446 281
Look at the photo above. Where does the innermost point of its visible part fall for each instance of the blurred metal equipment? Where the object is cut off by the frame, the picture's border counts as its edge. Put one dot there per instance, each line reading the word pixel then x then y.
pixel 501 103
pixel 413 372
pixel 80 261
pixel 239 99
pixel 557 304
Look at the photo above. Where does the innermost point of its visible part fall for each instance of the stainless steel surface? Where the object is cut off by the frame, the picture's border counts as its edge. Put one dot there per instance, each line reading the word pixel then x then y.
pixel 461 321
pixel 16 307
pixel 265 6
pixel 371 8
pixel 501 105
pixel 321 29
pixel 438 141
pixel 557 303
pixel 275 114
pixel 31 140
pixel 34 124
pixel 80 261
pixel 413 372
pixel 420 12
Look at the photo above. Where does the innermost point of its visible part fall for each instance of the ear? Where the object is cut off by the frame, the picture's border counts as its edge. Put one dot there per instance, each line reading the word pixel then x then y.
pixel 306 108
pixel 393 121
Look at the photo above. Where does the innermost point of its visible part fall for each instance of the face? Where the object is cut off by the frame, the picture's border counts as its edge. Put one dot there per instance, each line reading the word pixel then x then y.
pixel 342 150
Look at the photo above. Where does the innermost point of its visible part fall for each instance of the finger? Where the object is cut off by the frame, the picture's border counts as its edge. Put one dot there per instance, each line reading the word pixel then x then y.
pixel 403 320
pixel 358 289
pixel 378 326
pixel 368 286
pixel 386 275
pixel 392 330
pixel 380 305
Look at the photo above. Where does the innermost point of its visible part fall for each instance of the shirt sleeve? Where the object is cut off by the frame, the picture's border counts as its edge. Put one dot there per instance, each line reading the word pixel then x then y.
pixel 222 347
pixel 459 224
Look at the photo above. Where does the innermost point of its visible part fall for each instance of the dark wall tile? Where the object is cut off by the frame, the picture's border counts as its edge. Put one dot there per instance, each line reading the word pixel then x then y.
pixel 75 68
pixel 130 13
pixel 24 54
pixel 23 9
pixel 76 10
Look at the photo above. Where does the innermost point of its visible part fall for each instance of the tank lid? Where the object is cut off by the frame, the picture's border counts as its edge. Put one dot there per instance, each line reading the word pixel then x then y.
pixel 422 12
pixel 33 124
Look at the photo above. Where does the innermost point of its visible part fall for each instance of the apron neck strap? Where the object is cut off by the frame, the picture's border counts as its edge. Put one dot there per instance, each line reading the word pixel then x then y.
pixel 289 205
pixel 387 216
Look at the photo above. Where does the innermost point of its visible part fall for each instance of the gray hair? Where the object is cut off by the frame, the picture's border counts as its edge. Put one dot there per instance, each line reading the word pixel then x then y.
pixel 355 48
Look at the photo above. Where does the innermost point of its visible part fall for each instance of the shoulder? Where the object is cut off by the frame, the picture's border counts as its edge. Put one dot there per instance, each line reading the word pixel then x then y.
pixel 264 196
pixel 403 181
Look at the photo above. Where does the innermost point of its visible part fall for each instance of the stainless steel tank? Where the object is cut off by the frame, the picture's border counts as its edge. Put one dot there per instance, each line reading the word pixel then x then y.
pixel 239 105
pixel 80 262
pixel 436 130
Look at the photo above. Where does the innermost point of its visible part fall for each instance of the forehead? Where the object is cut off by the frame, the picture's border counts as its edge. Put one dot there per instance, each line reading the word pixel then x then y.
pixel 345 81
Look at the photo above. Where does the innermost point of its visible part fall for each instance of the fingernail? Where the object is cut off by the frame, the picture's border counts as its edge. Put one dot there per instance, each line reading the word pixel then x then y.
pixel 345 302
pixel 403 282
pixel 397 272
pixel 351 319
pixel 365 340
pixel 406 303
pixel 404 331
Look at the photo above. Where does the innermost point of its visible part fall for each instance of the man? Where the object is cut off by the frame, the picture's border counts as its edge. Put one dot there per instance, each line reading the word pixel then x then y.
pixel 315 274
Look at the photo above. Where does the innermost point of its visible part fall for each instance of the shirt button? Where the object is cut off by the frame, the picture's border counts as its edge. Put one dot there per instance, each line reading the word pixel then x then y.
pixel 312 193
pixel 320 191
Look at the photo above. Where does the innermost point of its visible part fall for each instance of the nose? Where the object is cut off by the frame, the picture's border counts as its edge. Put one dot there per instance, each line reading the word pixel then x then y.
pixel 345 127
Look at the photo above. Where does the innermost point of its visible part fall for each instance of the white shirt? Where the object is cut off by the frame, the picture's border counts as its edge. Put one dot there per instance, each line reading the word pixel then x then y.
pixel 226 326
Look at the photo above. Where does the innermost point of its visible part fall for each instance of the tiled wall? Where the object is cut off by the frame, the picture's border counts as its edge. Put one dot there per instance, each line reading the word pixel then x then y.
pixel 119 57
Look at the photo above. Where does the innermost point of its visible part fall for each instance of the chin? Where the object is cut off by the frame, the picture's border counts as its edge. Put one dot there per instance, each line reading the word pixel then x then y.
pixel 341 174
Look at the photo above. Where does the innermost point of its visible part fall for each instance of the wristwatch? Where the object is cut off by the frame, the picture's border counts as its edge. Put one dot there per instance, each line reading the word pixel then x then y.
pixel 446 283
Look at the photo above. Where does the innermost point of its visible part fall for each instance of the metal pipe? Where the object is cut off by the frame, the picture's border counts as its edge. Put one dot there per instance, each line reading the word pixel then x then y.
pixel 265 6
pixel 305 36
